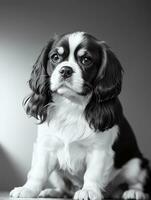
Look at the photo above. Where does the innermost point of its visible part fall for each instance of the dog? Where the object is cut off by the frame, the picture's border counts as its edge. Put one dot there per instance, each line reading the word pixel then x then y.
pixel 85 145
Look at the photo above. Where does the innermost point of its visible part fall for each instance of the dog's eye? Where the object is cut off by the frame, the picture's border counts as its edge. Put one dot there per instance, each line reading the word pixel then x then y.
pixel 85 60
pixel 55 58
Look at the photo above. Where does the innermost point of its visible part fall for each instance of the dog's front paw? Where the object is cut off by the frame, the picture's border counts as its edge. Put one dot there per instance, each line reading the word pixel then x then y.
pixel 87 194
pixel 23 192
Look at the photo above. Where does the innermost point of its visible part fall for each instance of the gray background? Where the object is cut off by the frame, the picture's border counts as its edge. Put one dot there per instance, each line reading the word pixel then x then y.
pixel 24 29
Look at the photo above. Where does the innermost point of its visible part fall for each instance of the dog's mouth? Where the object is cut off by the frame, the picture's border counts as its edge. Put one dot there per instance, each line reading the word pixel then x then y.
pixel 65 88
pixel 61 84
pixel 69 93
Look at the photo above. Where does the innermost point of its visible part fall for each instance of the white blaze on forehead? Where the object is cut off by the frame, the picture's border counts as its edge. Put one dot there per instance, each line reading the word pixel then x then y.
pixel 60 50
pixel 74 40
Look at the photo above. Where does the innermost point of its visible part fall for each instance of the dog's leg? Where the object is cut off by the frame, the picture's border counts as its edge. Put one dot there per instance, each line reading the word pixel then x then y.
pixel 135 176
pixel 42 164
pixel 57 186
pixel 93 177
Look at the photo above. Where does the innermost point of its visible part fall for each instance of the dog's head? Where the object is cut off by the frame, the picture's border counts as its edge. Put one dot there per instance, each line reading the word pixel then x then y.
pixel 75 64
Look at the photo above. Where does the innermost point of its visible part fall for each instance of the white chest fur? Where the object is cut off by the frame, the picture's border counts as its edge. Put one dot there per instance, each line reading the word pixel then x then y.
pixel 69 137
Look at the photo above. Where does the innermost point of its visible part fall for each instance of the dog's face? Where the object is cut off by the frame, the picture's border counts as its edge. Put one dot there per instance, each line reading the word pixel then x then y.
pixel 74 61
pixel 75 64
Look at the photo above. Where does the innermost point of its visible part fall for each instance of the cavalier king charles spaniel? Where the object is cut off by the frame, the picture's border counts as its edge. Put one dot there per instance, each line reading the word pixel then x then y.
pixel 85 146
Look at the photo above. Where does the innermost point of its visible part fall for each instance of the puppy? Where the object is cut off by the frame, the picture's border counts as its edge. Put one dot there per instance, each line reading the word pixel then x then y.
pixel 85 146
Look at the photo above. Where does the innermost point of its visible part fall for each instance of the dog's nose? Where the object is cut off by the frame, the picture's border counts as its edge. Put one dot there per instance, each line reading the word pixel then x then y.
pixel 66 72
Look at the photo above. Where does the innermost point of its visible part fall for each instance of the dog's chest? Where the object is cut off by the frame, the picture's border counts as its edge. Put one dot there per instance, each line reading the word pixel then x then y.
pixel 69 123
pixel 73 132
pixel 66 136
pixel 71 157
pixel 70 138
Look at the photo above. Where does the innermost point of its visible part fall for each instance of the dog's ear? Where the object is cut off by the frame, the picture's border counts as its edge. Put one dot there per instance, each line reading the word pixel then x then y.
pixel 108 82
pixel 36 104
pixel 102 111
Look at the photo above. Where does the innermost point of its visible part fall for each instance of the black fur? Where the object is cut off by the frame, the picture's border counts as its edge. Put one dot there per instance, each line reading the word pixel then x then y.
pixel 145 165
pixel 125 146
pixel 36 104
pixel 102 116
pixel 103 110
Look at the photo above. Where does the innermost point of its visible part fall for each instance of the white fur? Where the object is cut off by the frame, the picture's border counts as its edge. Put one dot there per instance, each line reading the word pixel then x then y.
pixel 69 143
pixel 75 83
pixel 74 40
pixel 131 171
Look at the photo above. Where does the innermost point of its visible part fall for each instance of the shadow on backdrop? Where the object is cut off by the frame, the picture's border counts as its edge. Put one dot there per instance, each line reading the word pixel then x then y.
pixel 9 175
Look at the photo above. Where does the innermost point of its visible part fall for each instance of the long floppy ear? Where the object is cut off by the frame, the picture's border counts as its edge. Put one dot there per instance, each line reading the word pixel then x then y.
pixel 103 109
pixel 36 104
pixel 109 79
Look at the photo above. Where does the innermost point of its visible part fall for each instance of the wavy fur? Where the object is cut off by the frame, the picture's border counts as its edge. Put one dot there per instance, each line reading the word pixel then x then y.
pixel 103 109
pixel 36 104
